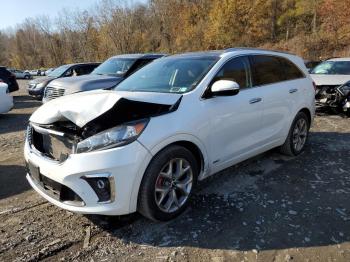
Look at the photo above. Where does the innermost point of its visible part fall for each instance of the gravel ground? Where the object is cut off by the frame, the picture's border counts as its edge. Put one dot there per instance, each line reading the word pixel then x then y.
pixel 270 208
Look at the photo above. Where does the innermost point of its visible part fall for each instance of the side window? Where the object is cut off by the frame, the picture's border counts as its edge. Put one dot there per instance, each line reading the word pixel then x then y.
pixel 79 70
pixel 82 70
pixel 68 73
pixel 140 63
pixel 266 70
pixel 89 68
pixel 291 71
pixel 236 70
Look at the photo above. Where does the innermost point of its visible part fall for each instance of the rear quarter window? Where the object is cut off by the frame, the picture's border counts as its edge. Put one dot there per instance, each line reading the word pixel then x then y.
pixel 291 71
pixel 266 70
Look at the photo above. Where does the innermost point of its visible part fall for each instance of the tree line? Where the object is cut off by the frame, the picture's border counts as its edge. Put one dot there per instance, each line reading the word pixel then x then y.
pixel 313 29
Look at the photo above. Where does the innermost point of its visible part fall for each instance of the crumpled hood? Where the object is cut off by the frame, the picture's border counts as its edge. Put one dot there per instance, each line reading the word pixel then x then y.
pixel 85 83
pixel 41 80
pixel 81 108
pixel 330 80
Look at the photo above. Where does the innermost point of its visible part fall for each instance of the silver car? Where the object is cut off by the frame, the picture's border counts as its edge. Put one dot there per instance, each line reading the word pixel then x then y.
pixel 107 75
pixel 20 74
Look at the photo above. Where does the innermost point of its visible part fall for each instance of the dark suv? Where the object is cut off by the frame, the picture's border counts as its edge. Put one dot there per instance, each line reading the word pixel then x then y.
pixel 107 75
pixel 8 78
pixel 37 86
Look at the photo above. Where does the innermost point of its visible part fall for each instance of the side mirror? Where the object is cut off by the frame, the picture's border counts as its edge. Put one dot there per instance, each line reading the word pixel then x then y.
pixel 224 88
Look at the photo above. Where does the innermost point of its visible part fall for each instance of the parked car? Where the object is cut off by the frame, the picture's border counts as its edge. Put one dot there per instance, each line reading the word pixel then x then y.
pixel 37 86
pixel 107 75
pixel 20 74
pixel 48 71
pixel 143 145
pixel 33 72
pixel 37 72
pixel 6 100
pixel 330 77
pixel 8 78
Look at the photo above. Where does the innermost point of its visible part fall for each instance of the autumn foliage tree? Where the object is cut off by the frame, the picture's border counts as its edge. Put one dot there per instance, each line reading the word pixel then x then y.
pixel 313 29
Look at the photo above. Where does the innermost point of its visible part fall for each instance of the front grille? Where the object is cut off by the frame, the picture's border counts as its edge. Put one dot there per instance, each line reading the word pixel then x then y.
pixel 29 132
pixel 52 93
pixel 52 146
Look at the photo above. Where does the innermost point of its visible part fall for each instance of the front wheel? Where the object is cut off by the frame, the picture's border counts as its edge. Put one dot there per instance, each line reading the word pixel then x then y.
pixel 297 136
pixel 168 183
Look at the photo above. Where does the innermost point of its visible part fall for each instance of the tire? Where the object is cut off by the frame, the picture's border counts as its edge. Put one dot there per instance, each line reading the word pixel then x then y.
pixel 289 147
pixel 26 77
pixel 156 178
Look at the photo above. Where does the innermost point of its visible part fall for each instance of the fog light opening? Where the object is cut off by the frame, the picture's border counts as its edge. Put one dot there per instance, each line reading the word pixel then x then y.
pixel 103 186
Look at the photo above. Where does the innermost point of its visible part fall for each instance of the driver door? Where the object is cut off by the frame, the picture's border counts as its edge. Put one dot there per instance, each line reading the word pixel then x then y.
pixel 235 120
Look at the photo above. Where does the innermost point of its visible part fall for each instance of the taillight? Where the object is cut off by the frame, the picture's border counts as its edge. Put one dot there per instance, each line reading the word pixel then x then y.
pixel 314 84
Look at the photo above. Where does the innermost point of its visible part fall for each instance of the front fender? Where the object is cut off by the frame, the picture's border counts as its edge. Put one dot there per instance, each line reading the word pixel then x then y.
pixel 156 149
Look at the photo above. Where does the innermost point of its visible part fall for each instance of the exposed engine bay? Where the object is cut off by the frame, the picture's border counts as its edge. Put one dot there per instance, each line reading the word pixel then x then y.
pixel 334 98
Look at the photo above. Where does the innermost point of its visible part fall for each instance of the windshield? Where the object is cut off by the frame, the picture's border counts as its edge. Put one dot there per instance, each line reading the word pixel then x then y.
pixel 332 68
pixel 114 66
pixel 59 71
pixel 169 75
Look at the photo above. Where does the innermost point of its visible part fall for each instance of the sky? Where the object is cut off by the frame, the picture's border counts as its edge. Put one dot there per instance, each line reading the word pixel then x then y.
pixel 13 12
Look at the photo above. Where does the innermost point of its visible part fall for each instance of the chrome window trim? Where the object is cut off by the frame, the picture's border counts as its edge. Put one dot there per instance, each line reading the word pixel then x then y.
pixel 250 72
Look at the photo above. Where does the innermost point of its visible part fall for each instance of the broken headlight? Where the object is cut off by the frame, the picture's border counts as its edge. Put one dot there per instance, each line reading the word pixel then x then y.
pixel 113 137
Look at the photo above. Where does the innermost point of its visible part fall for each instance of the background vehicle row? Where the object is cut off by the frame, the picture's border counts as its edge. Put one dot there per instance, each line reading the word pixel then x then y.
pixel 107 75
pixel 37 86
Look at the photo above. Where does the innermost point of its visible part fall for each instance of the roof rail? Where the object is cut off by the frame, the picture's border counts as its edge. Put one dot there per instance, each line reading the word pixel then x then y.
pixel 255 49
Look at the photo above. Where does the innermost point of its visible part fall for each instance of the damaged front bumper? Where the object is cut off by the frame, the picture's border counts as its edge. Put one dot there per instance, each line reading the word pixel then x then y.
pixel 123 166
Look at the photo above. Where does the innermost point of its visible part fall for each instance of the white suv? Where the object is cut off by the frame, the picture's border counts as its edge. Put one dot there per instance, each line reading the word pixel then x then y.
pixel 143 146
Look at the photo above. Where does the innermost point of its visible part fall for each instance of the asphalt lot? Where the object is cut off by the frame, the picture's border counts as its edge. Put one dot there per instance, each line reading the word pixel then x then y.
pixel 270 208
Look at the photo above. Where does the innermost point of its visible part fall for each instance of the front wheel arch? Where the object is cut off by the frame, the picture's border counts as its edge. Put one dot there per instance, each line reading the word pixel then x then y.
pixel 146 203
pixel 189 142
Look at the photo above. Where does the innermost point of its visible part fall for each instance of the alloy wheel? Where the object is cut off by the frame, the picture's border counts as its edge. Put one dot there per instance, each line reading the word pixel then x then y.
pixel 300 134
pixel 173 185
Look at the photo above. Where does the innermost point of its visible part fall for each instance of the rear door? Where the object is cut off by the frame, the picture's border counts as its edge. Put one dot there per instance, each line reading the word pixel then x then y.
pixel 274 78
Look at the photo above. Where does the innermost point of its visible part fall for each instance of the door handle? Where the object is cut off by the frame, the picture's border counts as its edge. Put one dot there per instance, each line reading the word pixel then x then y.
pixel 255 100
pixel 291 91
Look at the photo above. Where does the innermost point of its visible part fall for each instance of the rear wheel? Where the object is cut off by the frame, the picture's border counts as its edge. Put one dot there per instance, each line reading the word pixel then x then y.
pixel 297 136
pixel 168 183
